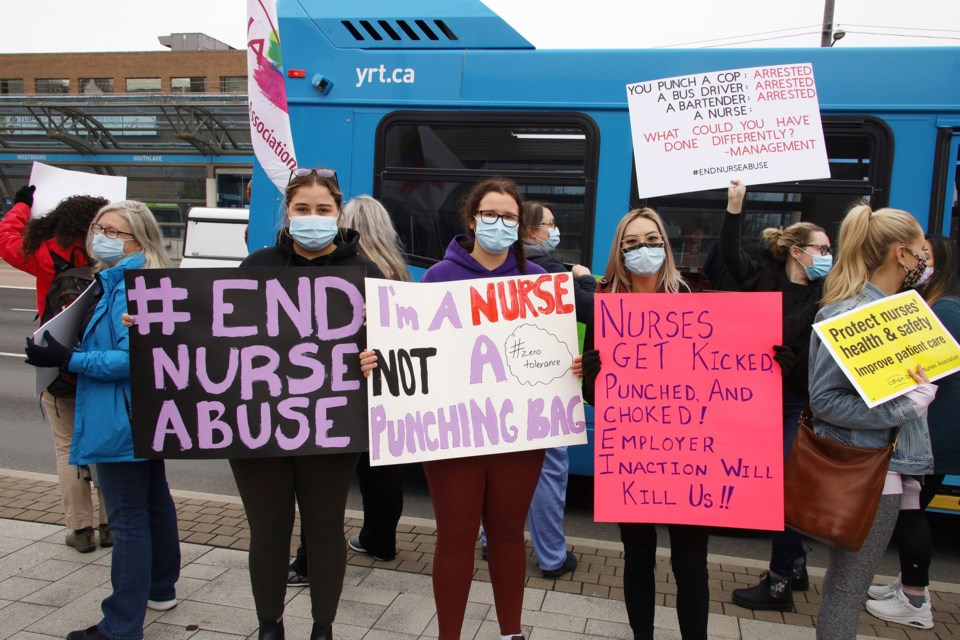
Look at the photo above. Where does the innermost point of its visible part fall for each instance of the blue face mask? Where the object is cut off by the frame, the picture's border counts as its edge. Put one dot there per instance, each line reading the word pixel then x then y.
pixel 551 243
pixel 313 233
pixel 495 238
pixel 820 267
pixel 108 250
pixel 645 261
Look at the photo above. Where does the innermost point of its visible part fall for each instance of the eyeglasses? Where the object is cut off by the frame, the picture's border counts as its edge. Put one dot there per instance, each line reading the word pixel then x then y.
pixel 825 249
pixel 110 233
pixel 551 225
pixel 490 217
pixel 303 172
pixel 651 241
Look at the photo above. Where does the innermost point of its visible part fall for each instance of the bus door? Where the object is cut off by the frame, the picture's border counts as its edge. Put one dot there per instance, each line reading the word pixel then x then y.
pixel 945 220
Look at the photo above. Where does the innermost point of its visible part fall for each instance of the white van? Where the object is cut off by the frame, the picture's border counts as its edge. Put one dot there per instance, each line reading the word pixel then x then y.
pixel 215 237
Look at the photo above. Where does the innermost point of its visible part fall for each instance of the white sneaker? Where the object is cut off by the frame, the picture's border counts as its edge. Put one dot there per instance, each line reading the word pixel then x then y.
pixel 899 610
pixel 162 605
pixel 885 591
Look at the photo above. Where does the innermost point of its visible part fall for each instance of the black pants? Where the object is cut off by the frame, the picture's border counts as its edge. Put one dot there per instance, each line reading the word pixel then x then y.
pixel 912 535
pixel 382 492
pixel 688 558
pixel 268 488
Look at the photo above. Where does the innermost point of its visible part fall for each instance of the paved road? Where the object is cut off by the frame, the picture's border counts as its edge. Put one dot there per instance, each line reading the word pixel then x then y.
pixel 27 447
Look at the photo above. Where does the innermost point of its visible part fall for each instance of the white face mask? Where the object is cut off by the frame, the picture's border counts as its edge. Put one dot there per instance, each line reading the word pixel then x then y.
pixel 645 261
pixel 313 232
pixel 553 240
pixel 496 237
pixel 108 250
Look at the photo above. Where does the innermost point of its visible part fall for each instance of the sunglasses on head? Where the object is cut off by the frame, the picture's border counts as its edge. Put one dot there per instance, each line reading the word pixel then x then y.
pixel 303 172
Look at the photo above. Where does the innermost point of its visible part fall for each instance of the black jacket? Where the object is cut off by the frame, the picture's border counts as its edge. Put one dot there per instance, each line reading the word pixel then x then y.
pixel 583 287
pixel 800 302
pixel 344 255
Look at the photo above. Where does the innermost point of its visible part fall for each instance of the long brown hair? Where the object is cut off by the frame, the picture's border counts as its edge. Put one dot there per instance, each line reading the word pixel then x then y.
pixel 945 280
pixel 471 204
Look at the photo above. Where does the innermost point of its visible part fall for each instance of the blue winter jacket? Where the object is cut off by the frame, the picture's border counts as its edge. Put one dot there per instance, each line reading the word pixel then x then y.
pixel 840 414
pixel 101 426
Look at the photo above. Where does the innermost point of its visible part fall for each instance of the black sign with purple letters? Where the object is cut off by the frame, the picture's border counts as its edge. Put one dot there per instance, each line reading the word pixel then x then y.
pixel 250 362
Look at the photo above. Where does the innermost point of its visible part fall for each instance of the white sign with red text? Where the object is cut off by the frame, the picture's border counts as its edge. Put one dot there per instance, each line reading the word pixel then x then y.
pixel 697 132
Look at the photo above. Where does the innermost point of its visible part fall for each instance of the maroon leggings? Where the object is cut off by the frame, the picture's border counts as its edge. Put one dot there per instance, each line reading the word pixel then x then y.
pixel 498 489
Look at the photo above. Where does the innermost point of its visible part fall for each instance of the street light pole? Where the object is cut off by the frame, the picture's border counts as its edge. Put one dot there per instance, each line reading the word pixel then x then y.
pixel 826 36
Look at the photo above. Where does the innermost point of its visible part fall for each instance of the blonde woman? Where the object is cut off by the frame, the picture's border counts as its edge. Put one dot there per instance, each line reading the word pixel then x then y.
pixel 881 253
pixel 146 555
pixel 641 261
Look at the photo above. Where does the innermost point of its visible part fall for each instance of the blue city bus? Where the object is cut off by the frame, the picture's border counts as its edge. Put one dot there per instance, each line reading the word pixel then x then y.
pixel 414 101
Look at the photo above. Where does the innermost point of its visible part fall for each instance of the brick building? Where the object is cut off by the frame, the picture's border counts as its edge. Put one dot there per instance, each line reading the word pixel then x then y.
pixel 175 123
pixel 209 68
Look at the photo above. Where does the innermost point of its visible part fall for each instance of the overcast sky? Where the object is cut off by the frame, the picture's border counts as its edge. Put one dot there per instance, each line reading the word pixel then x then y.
pixel 134 25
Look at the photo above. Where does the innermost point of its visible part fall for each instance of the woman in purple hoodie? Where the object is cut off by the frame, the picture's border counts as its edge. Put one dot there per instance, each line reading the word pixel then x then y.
pixel 496 488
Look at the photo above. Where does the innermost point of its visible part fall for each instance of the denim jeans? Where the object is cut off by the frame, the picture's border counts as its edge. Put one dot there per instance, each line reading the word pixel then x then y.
pixel 146 550
pixel 545 517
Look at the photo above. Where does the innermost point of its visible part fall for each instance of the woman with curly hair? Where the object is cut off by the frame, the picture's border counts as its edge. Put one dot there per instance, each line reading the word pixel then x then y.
pixel 34 245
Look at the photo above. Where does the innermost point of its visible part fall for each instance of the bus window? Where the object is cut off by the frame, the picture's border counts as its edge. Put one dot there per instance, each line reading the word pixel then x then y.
pixel 425 163
pixel 859 151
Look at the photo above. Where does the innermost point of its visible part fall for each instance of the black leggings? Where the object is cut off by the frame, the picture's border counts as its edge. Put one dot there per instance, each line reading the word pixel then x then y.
pixel 913 538
pixel 688 558
pixel 268 488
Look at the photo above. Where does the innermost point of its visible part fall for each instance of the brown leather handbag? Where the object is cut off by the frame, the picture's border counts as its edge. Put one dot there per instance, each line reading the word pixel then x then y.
pixel 831 490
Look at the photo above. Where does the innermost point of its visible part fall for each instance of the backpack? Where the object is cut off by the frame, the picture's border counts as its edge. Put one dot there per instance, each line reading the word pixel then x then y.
pixel 69 281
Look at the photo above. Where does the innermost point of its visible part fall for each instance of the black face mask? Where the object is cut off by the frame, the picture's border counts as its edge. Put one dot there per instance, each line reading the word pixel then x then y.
pixel 913 275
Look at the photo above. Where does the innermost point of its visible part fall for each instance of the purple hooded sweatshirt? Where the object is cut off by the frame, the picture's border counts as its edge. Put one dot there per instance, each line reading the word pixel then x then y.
pixel 458 264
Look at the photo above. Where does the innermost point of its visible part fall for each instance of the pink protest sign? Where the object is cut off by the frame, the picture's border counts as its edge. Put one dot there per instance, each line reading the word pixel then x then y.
pixel 688 426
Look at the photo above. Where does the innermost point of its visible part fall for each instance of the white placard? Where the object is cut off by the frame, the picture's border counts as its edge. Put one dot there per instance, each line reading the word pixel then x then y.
pixel 64 327
pixel 472 367
pixel 54 184
pixel 697 132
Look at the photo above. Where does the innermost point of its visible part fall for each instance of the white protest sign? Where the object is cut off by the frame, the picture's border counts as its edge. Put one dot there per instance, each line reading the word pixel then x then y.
pixel 472 367
pixel 64 327
pixel 54 184
pixel 697 132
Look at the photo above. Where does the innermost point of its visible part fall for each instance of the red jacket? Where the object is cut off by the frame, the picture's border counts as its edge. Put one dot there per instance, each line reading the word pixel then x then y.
pixel 40 263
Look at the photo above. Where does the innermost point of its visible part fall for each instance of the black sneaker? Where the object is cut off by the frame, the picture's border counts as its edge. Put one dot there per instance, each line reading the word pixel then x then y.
pixel 90 633
pixel 295 579
pixel 569 564
pixel 775 595
pixel 354 543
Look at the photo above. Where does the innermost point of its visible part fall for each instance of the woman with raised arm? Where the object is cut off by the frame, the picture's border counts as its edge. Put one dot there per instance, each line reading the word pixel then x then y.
pixel 41 246
pixel 794 262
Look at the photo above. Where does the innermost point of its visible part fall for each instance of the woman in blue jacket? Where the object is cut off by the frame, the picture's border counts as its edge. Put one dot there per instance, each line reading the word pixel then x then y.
pixel 146 555
pixel 881 252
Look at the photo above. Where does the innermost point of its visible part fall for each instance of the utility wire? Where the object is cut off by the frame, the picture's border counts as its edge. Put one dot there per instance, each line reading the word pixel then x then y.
pixel 794 35
pixel 873 26
pixel 902 35
pixel 745 35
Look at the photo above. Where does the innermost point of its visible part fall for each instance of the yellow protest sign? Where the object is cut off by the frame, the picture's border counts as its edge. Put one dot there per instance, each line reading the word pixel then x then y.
pixel 878 343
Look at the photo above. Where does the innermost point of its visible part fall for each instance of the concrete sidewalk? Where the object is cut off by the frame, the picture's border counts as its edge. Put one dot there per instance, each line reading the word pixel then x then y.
pixel 48 589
